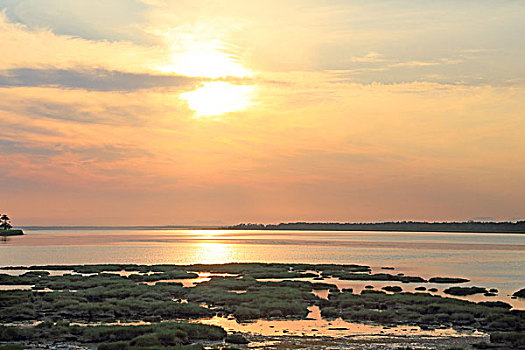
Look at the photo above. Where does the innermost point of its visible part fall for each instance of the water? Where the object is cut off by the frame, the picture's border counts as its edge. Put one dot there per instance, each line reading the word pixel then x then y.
pixel 488 260
pixel 315 325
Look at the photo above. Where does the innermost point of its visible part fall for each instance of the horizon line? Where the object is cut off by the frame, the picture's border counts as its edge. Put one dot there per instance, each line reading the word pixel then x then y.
pixel 189 226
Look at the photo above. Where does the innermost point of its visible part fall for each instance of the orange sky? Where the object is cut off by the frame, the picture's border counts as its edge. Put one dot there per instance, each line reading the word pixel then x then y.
pixel 161 112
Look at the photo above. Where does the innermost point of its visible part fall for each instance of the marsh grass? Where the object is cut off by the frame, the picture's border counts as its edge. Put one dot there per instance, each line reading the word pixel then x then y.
pixel 161 335
pixel 423 309
pixel 108 297
pixel 462 291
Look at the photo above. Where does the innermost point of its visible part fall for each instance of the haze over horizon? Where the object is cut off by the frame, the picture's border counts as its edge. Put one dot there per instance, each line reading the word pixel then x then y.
pixel 151 112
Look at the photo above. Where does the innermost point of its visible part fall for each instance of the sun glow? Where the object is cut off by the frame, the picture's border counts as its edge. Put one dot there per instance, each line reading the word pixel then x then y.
pixel 216 98
pixel 200 52
pixel 206 63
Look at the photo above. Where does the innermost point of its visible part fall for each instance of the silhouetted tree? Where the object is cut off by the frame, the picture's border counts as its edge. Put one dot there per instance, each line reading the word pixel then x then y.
pixel 6 222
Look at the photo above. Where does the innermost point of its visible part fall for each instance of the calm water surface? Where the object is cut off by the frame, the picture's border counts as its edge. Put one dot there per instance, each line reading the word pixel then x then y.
pixel 488 260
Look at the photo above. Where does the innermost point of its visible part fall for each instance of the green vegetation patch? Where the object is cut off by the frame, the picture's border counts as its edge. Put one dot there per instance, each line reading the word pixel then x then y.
pixel 448 280
pixel 423 309
pixel 379 277
pixel 169 275
pixel 97 298
pixel 462 291
pixel 161 335
pixel 95 295
pixel 260 300
pixel 277 270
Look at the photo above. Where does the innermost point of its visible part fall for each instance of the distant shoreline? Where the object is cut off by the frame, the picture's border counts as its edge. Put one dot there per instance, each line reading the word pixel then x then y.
pixel 452 227
pixel 138 228
pixel 402 226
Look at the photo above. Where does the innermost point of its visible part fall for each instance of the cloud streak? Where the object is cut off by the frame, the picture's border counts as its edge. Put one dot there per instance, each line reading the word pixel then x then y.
pixel 91 79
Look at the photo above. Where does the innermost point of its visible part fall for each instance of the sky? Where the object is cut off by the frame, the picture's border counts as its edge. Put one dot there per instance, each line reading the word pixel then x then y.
pixel 153 112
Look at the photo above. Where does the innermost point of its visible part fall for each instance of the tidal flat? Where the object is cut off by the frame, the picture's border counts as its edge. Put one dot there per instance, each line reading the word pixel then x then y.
pixel 241 305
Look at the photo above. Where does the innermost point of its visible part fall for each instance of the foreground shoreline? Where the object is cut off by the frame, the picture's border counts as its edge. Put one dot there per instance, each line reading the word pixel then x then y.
pixel 231 300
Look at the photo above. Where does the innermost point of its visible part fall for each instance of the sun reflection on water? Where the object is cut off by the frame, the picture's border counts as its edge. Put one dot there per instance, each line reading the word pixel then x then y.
pixel 214 253
pixel 209 234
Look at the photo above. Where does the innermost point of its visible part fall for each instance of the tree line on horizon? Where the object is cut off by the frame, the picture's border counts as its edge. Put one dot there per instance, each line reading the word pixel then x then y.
pixel 469 226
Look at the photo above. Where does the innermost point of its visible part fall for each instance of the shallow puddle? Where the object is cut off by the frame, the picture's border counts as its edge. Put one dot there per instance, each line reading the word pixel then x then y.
pixel 315 325
pixel 321 293
pixel 192 282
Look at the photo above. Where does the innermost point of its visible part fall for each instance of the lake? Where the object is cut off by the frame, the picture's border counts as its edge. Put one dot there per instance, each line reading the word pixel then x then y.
pixel 488 260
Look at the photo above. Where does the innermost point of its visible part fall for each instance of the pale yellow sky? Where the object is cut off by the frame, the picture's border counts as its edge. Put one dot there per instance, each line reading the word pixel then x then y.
pixel 177 112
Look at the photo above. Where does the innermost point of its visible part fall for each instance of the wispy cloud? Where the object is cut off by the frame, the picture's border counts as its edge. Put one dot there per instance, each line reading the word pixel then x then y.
pixel 42 48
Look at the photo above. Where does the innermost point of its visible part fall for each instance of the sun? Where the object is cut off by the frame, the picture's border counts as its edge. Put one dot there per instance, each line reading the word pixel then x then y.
pixel 216 98
pixel 200 56
pixel 207 63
